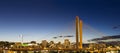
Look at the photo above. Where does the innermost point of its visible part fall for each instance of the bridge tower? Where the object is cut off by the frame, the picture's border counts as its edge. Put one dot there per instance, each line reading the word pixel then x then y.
pixel 78 33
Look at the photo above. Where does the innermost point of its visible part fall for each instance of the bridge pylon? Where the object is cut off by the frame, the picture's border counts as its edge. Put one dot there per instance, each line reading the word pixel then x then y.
pixel 78 33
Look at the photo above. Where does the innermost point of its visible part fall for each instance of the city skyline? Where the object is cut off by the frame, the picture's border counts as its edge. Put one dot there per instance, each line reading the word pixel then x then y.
pixel 40 20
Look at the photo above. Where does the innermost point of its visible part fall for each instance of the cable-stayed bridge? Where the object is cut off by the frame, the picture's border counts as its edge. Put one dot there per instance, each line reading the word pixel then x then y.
pixel 81 31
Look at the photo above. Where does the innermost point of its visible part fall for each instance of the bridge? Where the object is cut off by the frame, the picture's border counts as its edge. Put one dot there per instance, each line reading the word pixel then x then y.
pixel 78 46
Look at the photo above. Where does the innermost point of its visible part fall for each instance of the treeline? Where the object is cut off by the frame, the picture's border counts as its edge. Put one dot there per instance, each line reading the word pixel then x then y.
pixel 4 44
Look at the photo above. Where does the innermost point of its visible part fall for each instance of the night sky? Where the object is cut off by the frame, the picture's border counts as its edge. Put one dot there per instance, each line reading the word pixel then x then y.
pixel 43 19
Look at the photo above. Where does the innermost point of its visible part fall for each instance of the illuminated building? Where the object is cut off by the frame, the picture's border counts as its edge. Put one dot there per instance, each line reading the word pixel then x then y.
pixel 52 44
pixel 66 43
pixel 44 44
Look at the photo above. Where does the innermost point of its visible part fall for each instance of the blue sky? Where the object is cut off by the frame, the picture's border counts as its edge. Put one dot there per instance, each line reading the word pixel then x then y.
pixel 44 19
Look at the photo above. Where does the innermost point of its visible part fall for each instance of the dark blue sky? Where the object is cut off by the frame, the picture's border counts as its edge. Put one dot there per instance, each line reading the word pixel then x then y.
pixel 41 18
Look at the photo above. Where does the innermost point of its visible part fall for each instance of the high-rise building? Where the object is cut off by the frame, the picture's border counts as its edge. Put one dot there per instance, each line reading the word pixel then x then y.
pixel 44 44
pixel 66 43
pixel 52 44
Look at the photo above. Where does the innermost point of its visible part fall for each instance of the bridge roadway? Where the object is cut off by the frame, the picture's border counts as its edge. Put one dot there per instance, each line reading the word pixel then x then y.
pixel 64 49
pixel 37 49
pixel 103 50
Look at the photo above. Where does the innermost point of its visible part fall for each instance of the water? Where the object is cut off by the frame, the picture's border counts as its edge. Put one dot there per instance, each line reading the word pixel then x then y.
pixel 46 51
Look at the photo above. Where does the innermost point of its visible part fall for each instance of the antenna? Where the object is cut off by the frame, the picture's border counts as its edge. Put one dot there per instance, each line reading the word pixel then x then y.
pixel 21 37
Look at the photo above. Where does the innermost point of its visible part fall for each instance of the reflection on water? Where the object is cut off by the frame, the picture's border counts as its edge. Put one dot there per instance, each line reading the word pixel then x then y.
pixel 55 51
